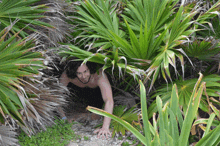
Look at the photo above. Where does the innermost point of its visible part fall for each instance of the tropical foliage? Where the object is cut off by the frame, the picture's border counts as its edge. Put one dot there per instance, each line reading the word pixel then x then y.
pixel 22 15
pixel 160 42
pixel 27 99
pixel 17 62
pixel 152 41
pixel 23 99
pixel 185 89
pixel 165 129
pixel 128 115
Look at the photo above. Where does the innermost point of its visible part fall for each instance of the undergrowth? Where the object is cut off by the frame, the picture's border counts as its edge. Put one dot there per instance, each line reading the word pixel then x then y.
pixel 60 134
pixel 57 135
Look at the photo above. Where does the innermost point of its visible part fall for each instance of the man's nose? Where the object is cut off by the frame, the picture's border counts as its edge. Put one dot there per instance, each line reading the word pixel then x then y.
pixel 84 76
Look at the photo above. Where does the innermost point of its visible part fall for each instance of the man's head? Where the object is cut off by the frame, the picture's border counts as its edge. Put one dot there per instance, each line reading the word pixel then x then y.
pixel 81 71
pixel 83 74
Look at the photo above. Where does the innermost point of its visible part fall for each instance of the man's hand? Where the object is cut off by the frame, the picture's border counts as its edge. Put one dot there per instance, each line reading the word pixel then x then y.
pixel 103 132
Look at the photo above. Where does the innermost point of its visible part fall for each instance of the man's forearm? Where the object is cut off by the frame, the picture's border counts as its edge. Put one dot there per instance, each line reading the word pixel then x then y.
pixel 108 108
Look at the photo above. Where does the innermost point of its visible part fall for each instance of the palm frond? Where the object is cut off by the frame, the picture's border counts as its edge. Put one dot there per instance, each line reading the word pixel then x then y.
pixel 211 29
pixel 108 61
pixel 205 50
pixel 56 16
pixel 155 13
pixel 16 61
pixel 156 42
pixel 26 98
pixel 185 89
pixel 7 136
pixel 45 95
pixel 94 20
pixel 23 13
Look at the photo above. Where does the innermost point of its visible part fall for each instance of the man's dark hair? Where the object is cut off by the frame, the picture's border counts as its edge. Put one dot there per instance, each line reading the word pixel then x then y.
pixel 72 67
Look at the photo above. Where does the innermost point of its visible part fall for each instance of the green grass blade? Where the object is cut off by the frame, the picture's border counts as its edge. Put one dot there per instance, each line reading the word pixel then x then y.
pixel 211 118
pixel 174 104
pixel 211 138
pixel 191 112
pixel 205 121
pixel 173 127
pixel 216 111
pixel 161 122
pixel 156 140
pixel 144 113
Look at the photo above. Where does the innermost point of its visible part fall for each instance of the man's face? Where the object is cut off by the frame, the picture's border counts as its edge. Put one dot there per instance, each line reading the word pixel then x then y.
pixel 83 74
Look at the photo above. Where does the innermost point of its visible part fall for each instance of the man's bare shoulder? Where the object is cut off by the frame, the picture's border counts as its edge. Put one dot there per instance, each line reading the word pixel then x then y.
pixel 100 74
pixel 65 79
pixel 102 78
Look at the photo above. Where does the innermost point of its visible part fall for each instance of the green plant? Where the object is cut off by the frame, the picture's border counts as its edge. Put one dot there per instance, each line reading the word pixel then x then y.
pixel 165 129
pixel 58 134
pixel 94 19
pixel 128 115
pixel 136 143
pixel 185 89
pixel 214 31
pixel 120 137
pixel 21 15
pixel 17 62
pixel 24 100
pixel 86 138
pixel 155 31
pixel 125 143
pixel 208 133
pixel 204 50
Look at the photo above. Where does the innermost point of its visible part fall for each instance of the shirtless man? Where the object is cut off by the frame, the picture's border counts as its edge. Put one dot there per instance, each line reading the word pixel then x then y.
pixel 84 76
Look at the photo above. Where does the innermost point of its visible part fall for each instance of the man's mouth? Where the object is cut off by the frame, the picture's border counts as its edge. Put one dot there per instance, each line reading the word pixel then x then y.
pixel 85 80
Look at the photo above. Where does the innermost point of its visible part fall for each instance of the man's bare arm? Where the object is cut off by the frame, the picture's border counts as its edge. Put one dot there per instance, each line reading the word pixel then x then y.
pixel 106 91
pixel 64 79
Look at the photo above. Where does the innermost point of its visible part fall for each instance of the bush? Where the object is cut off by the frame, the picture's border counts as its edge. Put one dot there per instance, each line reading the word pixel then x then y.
pixel 58 135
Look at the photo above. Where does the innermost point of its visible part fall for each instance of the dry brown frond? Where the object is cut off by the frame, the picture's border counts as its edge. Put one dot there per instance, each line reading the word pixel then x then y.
pixel 56 17
pixel 45 95
pixel 7 136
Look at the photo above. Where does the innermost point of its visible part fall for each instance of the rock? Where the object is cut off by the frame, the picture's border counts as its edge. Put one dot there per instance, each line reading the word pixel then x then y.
pixel 72 144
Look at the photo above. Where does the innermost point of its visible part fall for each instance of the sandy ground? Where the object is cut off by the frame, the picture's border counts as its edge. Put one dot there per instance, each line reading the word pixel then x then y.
pixel 88 138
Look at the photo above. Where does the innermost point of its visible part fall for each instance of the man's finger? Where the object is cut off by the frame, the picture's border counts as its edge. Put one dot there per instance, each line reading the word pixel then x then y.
pixel 110 134
pixel 99 134
pixel 107 135
pixel 103 135
pixel 96 130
